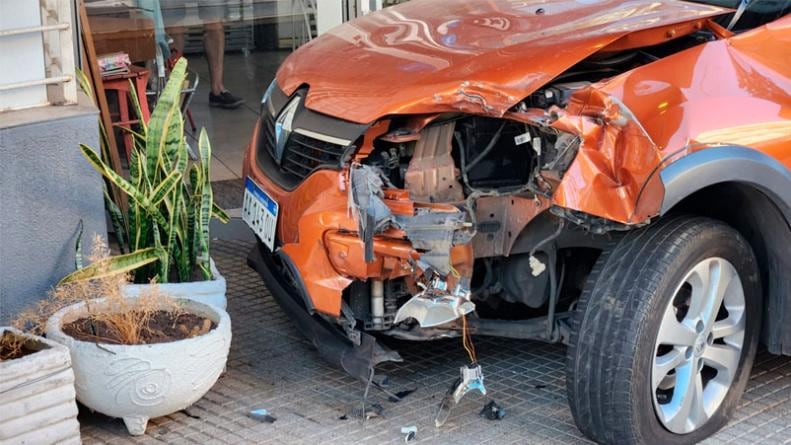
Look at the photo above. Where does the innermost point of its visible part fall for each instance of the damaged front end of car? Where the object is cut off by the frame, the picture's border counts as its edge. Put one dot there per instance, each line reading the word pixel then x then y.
pixel 434 214
pixel 482 213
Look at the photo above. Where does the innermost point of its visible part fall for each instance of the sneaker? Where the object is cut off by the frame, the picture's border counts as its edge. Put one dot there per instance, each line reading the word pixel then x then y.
pixel 225 100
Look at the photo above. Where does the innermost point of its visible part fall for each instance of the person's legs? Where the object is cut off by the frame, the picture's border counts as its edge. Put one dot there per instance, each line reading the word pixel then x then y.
pixel 214 44
pixel 177 34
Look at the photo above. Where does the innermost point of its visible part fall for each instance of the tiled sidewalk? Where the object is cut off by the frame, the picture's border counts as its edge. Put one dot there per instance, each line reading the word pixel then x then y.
pixel 272 367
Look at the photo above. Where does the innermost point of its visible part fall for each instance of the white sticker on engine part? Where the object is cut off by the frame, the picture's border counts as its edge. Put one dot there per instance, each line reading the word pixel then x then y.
pixel 522 138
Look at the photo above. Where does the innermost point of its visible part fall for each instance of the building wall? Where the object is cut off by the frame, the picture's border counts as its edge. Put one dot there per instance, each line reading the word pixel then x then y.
pixel 22 55
pixel 46 187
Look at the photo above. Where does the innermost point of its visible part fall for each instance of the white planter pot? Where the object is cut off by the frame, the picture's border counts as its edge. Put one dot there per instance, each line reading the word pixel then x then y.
pixel 208 292
pixel 139 382
pixel 37 396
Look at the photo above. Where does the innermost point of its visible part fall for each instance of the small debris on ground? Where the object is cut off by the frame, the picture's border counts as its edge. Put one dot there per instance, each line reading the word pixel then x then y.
pixel 261 415
pixel 400 395
pixel 492 411
pixel 190 415
pixel 343 417
pixel 381 380
pixel 371 411
pixel 409 432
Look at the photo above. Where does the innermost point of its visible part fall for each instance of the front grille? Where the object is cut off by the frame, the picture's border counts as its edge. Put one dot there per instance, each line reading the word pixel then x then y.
pixel 269 132
pixel 301 156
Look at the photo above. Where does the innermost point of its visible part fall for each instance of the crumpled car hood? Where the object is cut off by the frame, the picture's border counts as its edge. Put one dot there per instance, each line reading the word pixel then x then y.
pixel 428 56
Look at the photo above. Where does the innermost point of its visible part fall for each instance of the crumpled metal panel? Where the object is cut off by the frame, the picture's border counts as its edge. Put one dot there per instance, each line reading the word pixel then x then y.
pixel 469 56
pixel 614 161
pixel 726 92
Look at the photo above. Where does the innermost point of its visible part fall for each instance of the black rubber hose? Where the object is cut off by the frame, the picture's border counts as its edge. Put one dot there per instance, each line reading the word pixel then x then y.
pixel 486 150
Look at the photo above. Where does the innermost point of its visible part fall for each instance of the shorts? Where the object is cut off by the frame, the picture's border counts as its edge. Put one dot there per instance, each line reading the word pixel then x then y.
pixel 174 12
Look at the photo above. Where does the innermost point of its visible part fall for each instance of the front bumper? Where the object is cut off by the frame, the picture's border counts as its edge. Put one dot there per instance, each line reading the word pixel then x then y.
pixel 286 287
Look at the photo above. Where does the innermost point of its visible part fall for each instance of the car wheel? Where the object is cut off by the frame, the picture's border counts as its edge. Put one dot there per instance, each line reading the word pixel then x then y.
pixel 664 334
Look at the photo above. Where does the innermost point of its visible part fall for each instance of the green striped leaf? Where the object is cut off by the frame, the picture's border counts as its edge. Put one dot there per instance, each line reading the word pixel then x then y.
pixel 113 265
pixel 85 83
pixel 219 213
pixel 117 220
pixel 122 183
pixel 166 127
pixel 162 274
pixel 138 110
pixel 171 240
pixel 135 169
pixel 204 148
pixel 165 187
pixel 78 247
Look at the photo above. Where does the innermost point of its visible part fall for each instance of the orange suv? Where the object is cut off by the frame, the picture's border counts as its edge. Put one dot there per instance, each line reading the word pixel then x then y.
pixel 612 175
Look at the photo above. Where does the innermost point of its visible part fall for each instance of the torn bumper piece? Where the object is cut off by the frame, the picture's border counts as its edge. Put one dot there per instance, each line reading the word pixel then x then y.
pixel 333 346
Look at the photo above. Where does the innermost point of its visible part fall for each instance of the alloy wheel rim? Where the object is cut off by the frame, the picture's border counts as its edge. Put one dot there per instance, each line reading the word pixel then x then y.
pixel 699 346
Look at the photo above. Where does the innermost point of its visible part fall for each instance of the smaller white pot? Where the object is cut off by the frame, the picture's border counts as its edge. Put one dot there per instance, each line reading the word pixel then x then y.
pixel 208 292
pixel 139 382
pixel 37 395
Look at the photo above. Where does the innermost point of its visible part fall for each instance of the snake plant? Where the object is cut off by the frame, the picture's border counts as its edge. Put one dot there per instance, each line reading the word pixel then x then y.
pixel 164 234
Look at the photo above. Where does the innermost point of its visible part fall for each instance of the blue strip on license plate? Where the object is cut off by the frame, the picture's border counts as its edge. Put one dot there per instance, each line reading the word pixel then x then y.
pixel 263 197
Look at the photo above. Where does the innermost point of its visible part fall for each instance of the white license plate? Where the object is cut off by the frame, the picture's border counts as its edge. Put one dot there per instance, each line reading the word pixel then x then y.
pixel 259 211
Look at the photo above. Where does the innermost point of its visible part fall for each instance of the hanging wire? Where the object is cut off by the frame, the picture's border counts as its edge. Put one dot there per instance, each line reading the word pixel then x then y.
pixel 466 340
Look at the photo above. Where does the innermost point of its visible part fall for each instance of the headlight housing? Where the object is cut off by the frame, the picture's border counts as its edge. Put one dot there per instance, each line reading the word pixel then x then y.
pixel 266 102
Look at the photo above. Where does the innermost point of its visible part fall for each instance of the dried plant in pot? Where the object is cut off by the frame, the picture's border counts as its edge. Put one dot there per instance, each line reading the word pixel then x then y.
pixel 141 357
pixel 36 390
pixel 169 202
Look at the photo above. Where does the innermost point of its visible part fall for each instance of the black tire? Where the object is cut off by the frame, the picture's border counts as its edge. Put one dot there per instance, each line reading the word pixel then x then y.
pixel 615 324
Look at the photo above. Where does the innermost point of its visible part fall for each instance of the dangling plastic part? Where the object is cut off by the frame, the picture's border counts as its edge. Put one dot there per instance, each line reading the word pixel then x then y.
pixel 435 305
pixel 470 379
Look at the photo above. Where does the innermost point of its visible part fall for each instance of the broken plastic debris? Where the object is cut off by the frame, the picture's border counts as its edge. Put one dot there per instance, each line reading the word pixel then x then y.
pixel 471 378
pixel 435 311
pixel 435 306
pixel 492 411
pixel 371 411
pixel 189 414
pixel 536 266
pixel 262 415
pixel 399 396
pixel 365 202
pixel 409 432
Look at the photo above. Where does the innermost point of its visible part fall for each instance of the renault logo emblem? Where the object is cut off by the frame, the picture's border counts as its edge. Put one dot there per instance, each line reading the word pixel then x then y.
pixel 283 127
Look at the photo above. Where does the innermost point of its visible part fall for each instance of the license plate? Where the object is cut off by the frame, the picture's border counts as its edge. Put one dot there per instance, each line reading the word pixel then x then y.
pixel 259 211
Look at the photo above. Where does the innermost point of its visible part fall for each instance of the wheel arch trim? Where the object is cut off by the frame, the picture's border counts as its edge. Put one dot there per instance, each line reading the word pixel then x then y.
pixel 722 164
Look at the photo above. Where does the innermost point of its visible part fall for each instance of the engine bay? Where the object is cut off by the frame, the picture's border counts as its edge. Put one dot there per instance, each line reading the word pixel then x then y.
pixel 498 174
